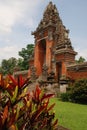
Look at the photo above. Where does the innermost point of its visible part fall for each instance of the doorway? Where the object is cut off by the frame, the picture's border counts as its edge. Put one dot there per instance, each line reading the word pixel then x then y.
pixel 42 53
pixel 58 70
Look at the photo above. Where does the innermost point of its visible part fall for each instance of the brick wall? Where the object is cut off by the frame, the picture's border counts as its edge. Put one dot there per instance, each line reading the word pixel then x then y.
pixel 38 59
pixel 60 57
pixel 63 69
pixel 76 74
pixel 49 45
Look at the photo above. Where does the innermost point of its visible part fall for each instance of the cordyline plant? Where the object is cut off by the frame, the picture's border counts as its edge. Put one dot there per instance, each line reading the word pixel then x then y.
pixel 23 110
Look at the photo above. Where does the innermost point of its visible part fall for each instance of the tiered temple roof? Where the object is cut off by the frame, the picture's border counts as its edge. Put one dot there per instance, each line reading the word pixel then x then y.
pixel 51 18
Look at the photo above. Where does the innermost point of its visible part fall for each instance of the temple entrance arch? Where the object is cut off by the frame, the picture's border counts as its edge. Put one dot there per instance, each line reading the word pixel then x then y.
pixel 42 53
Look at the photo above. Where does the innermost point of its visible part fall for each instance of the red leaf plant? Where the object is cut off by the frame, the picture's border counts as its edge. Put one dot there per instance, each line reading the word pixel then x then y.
pixel 21 110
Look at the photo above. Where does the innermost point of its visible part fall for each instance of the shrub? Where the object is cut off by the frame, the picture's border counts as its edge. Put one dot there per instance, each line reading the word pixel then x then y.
pixel 65 96
pixel 79 91
pixel 20 110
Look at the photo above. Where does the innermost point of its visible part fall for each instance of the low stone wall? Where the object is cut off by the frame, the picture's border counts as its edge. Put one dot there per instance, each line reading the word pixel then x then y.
pixel 77 74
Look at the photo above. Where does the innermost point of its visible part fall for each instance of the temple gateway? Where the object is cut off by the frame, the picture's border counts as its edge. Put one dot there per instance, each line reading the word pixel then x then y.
pixel 53 59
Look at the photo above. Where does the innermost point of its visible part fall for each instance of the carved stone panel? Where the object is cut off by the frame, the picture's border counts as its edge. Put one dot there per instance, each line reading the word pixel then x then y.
pixel 50 35
pixel 44 72
pixel 33 73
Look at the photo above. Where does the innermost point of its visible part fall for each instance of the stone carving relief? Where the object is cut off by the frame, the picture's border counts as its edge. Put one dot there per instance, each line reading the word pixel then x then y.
pixel 44 72
pixel 33 73
pixel 50 35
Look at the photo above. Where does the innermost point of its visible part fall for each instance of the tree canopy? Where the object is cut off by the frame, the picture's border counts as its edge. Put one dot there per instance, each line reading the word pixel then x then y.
pixel 7 66
pixel 25 53
pixel 80 60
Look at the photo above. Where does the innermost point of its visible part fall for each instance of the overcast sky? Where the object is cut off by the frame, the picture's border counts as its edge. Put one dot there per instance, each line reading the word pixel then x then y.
pixel 18 18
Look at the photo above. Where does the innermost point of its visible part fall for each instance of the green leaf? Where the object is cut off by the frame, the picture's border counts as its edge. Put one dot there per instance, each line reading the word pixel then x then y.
pixel 13 98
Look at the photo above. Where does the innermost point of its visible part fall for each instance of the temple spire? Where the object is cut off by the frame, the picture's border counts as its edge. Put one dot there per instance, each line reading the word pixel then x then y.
pixel 50 16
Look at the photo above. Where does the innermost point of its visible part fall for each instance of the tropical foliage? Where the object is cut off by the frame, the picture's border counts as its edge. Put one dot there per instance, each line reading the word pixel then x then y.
pixel 23 110
pixel 8 65
pixel 77 92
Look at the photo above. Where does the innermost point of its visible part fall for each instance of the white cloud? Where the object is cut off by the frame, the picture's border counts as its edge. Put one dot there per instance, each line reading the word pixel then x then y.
pixel 80 46
pixel 82 53
pixel 9 13
pixel 8 52
pixel 13 11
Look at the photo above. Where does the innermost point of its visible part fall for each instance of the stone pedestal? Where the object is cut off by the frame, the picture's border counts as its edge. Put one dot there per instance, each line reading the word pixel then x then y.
pixel 63 86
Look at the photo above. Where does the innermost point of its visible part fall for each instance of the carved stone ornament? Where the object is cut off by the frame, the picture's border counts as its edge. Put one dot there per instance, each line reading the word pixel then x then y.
pixel 44 70
pixel 33 73
pixel 50 35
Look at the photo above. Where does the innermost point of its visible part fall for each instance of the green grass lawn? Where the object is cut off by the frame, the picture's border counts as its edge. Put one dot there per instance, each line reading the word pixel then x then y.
pixel 71 115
